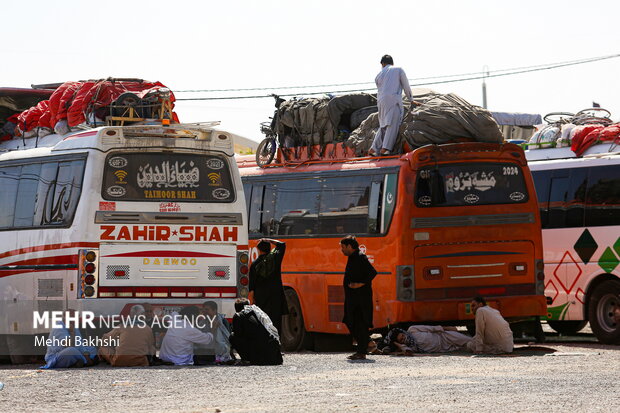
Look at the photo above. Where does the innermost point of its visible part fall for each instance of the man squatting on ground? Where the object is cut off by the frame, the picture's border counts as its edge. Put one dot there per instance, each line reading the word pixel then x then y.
pixel 357 283
pixel 493 333
pixel 391 82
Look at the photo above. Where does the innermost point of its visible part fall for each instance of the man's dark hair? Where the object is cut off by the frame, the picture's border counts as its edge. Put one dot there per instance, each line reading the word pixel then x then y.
pixel 350 240
pixel 387 60
pixel 211 304
pixel 241 303
pixel 480 300
pixel 264 246
pixel 190 313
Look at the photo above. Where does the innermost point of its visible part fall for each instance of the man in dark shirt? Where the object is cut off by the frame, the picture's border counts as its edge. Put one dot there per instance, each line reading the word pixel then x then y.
pixel 266 289
pixel 357 283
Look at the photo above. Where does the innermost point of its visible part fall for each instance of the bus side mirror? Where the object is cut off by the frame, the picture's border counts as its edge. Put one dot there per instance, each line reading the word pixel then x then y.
pixel 438 194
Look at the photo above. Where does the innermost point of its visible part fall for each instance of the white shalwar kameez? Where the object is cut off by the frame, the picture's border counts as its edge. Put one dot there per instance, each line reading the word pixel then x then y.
pixel 178 344
pixel 434 339
pixel 493 334
pixel 391 82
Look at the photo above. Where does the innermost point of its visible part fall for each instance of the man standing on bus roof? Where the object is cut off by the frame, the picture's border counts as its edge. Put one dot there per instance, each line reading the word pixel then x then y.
pixel 493 333
pixel 266 289
pixel 357 282
pixel 391 82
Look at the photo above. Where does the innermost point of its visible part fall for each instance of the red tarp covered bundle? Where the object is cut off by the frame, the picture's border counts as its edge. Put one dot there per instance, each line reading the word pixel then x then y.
pixel 76 101
pixel 588 135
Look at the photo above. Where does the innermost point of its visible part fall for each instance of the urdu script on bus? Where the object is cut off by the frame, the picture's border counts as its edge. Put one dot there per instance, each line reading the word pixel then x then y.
pixel 466 181
pixel 166 233
pixel 168 175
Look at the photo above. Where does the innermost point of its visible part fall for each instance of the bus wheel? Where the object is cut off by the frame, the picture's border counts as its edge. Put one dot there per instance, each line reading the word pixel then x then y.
pixel 603 301
pixel 293 330
pixel 568 328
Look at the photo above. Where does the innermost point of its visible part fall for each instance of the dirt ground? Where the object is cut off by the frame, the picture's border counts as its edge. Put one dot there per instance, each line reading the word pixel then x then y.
pixel 577 377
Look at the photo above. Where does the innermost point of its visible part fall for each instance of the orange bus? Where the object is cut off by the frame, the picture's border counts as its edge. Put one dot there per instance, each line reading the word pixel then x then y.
pixel 441 224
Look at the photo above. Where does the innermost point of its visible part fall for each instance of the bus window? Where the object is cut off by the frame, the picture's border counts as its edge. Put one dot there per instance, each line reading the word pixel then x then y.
pixel 67 191
pixel 9 181
pixel 470 184
pixel 388 200
pixel 167 177
pixel 603 196
pixel 557 200
pixel 576 198
pixel 45 193
pixel 344 205
pixel 27 195
pixel 268 226
pixel 40 194
pixel 247 192
pixel 297 207
pixel 542 180
pixel 255 204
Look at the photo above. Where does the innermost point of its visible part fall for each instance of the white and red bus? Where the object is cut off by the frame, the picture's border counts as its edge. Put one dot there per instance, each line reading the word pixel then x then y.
pixel 100 219
pixel 441 224
pixel 579 201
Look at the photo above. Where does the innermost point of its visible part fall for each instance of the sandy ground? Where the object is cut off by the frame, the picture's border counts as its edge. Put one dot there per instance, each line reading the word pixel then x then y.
pixel 578 377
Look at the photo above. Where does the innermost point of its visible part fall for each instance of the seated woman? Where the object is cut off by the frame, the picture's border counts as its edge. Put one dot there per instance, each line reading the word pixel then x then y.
pixel 424 339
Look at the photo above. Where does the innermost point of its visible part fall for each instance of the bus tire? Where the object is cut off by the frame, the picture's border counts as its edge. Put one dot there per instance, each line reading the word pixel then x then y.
pixel 293 328
pixel 567 327
pixel 602 302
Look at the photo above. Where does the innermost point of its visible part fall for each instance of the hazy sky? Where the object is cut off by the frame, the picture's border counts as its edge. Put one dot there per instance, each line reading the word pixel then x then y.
pixel 244 44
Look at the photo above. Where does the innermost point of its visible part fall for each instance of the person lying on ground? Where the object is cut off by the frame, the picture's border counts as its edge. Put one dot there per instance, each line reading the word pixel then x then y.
pixel 136 344
pixel 178 344
pixel 425 339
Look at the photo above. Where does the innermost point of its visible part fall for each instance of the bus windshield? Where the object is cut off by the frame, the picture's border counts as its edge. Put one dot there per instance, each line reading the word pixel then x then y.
pixel 464 184
pixel 167 177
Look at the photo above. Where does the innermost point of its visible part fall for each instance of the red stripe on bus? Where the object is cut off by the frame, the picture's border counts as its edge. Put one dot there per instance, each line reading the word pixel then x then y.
pixel 81 135
pixel 58 259
pixel 61 259
pixel 48 247
pixel 174 254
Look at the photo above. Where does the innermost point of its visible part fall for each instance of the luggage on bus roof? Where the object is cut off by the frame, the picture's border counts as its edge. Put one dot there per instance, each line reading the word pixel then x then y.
pixel 86 103
pixel 439 119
